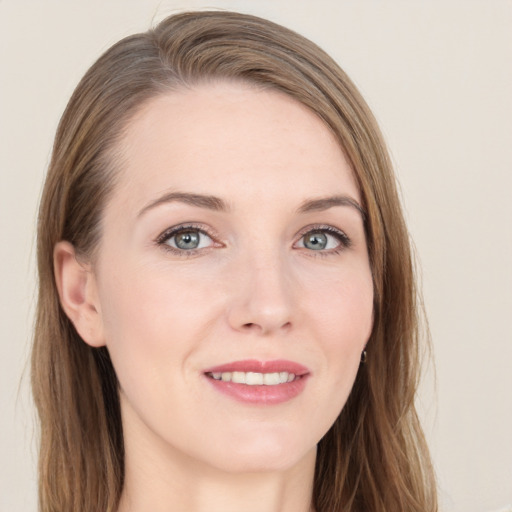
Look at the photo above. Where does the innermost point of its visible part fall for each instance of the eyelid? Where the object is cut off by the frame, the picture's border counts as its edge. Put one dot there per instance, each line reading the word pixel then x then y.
pixel 340 235
pixel 180 228
pixel 344 241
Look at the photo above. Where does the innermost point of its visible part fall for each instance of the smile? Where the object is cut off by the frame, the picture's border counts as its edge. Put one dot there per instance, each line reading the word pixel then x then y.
pixel 259 382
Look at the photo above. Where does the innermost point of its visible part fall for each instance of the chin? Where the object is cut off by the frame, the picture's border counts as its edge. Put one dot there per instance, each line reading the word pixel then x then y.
pixel 263 454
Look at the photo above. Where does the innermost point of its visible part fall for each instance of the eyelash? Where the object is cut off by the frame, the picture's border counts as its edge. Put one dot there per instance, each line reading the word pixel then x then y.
pixel 344 241
pixel 176 230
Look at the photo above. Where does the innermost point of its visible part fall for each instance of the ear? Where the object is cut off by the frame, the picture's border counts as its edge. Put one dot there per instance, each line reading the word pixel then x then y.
pixel 78 294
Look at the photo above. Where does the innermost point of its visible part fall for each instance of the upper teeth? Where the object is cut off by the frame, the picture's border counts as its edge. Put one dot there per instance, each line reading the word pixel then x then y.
pixel 254 379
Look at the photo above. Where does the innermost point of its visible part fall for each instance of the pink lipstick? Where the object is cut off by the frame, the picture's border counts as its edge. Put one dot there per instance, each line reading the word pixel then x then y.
pixel 259 382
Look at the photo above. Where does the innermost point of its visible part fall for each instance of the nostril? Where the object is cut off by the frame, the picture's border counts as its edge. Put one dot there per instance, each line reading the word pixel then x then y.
pixel 254 326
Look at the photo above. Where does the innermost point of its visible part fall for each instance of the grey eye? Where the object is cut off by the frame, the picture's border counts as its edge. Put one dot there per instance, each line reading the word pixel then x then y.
pixel 323 239
pixel 315 240
pixel 187 240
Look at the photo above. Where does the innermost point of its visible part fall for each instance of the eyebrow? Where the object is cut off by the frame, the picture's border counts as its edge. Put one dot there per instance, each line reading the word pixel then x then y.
pixel 217 204
pixel 199 200
pixel 324 203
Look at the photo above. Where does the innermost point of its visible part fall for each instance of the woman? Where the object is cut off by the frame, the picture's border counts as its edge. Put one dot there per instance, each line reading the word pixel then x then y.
pixel 227 314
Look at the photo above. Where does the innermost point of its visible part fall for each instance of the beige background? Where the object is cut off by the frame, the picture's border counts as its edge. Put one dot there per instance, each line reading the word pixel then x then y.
pixel 439 78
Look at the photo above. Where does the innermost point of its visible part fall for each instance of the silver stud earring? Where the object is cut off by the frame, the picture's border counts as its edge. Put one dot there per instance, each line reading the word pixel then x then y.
pixel 363 357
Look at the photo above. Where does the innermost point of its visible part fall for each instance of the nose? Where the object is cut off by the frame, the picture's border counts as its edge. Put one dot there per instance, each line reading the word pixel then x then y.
pixel 263 302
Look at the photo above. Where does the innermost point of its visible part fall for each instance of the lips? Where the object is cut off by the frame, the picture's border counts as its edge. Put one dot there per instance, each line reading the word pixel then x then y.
pixel 252 365
pixel 259 382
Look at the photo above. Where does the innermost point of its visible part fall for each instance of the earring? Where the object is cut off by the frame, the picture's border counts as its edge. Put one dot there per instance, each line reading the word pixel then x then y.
pixel 363 357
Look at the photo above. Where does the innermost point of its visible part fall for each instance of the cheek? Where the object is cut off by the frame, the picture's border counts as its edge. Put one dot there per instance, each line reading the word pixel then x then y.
pixel 151 300
pixel 153 319
pixel 344 320
pixel 343 307
pixel 154 323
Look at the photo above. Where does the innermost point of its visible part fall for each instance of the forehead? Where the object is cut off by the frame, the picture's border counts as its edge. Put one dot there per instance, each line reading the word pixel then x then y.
pixel 234 141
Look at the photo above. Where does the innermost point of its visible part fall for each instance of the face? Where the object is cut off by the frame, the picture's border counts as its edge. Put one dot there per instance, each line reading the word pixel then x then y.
pixel 233 280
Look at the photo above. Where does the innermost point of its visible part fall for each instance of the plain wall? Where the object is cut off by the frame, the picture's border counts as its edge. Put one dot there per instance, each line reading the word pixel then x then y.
pixel 438 76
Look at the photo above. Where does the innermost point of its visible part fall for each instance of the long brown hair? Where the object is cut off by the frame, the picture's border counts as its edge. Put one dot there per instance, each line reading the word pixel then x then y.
pixel 374 457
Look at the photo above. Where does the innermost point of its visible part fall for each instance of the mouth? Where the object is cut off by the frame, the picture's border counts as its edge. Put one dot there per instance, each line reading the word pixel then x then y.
pixel 259 382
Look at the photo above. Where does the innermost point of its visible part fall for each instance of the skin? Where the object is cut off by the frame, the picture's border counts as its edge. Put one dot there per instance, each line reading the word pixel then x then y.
pixel 253 290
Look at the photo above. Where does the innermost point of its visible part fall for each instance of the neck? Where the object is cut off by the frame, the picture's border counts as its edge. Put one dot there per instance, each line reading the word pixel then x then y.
pixel 162 479
pixel 190 485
